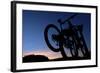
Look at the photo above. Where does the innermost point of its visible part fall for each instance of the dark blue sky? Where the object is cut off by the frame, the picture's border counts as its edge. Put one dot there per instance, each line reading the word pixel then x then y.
pixel 34 23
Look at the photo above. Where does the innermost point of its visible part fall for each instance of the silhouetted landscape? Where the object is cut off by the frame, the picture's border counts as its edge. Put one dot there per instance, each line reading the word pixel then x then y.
pixel 35 58
pixel 42 58
pixel 70 58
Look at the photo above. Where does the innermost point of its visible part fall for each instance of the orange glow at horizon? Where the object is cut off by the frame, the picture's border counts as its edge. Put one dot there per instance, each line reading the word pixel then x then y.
pixel 49 54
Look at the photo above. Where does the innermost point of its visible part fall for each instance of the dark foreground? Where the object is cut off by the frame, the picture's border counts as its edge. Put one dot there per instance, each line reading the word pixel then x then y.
pixel 41 58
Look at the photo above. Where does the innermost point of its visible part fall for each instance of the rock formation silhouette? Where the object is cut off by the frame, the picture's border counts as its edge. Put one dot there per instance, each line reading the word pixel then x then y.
pixel 35 58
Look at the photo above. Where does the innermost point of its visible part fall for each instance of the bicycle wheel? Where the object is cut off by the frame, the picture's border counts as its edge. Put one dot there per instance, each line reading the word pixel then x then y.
pixel 48 32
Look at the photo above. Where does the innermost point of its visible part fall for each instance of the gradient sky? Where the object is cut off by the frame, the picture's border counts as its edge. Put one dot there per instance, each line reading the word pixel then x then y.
pixel 34 23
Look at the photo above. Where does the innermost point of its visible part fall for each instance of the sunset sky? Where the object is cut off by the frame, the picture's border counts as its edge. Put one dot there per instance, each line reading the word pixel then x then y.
pixel 34 23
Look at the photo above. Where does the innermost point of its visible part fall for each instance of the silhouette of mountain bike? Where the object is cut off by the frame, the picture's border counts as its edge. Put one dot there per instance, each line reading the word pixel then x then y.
pixel 58 38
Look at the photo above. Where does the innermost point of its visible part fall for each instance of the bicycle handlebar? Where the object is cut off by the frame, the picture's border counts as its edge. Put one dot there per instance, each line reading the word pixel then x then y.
pixel 60 21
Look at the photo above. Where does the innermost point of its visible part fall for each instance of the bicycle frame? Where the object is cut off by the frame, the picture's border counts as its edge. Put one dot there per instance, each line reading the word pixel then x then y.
pixel 75 31
pixel 71 35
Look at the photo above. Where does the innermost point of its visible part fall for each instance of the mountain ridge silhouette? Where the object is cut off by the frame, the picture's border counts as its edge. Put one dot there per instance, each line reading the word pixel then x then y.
pixel 35 58
pixel 42 58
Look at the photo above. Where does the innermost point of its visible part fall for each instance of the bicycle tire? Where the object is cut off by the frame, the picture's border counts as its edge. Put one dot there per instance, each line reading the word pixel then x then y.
pixel 47 39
